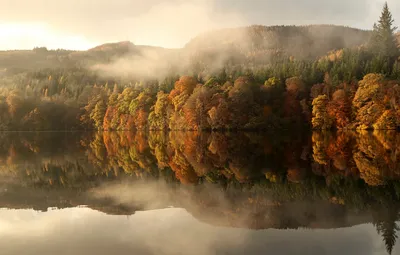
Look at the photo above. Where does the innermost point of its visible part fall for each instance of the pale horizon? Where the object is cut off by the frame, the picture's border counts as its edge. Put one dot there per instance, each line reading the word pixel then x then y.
pixel 74 25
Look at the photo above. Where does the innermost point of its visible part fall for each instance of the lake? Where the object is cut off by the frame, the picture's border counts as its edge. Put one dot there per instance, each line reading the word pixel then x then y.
pixel 199 193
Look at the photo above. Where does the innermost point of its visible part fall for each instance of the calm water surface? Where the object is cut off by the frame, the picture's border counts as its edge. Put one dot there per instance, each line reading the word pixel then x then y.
pixel 199 193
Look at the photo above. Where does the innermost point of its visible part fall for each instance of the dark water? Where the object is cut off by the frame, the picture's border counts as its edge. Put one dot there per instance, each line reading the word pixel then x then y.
pixel 199 193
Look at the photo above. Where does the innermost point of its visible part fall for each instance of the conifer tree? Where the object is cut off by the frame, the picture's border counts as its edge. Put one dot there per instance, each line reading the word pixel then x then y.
pixel 383 41
pixel 97 115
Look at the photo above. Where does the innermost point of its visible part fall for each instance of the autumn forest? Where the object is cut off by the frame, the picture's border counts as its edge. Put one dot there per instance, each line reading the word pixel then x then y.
pixel 270 81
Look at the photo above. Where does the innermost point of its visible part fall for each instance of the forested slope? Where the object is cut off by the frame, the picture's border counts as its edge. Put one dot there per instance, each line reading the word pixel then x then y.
pixel 254 78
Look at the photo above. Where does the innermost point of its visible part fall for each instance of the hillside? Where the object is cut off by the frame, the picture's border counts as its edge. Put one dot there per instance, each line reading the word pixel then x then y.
pixel 41 58
pixel 263 42
pixel 246 45
pixel 19 60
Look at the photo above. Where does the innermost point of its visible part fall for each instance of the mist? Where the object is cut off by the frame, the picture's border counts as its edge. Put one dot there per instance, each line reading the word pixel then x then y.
pixel 147 63
pixel 210 52
pixel 230 207
pixel 157 63
pixel 150 195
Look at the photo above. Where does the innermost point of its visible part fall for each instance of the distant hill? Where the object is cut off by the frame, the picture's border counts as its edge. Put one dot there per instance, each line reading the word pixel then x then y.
pixel 258 44
pixel 16 60
pixel 282 37
pixel 41 58
pixel 110 52
pixel 245 45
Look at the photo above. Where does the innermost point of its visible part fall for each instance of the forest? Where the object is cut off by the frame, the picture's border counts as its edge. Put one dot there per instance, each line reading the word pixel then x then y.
pixel 284 77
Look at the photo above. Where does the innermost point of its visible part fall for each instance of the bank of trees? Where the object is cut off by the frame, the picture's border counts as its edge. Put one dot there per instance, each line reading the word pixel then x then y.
pixel 348 88
pixel 244 102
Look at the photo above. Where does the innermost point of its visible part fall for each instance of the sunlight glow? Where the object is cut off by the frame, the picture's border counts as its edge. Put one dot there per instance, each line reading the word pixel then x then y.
pixel 27 36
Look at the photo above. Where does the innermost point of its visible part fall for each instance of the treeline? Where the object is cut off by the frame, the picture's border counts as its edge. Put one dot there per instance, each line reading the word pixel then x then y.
pixel 333 92
pixel 351 88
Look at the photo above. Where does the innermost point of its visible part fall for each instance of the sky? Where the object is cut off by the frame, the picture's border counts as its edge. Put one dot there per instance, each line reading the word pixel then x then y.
pixel 82 24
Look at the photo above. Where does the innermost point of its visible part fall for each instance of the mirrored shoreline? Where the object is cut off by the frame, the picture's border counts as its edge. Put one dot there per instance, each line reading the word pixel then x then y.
pixel 253 181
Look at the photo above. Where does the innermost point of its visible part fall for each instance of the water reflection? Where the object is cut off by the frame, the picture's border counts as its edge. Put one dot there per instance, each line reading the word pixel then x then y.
pixel 167 231
pixel 239 180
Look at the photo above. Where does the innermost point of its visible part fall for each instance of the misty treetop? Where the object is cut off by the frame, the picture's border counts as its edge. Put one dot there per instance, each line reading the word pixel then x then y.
pixel 253 78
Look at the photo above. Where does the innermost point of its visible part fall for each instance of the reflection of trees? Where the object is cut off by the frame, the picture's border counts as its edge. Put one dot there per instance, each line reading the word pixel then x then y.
pixel 45 159
pixel 385 220
pixel 377 158
pixel 374 157
pixel 197 156
pixel 349 171
pixel 332 154
pixel 388 231
pixel 320 145
pixel 193 157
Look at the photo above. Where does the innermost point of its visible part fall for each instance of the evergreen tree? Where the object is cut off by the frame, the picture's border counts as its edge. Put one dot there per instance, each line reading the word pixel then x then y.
pixel 97 115
pixel 383 40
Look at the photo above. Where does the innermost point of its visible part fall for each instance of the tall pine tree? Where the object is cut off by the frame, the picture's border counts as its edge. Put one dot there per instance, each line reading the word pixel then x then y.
pixel 383 41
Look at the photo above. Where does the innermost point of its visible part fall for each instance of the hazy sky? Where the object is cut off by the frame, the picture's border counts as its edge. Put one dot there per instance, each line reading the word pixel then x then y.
pixel 81 24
